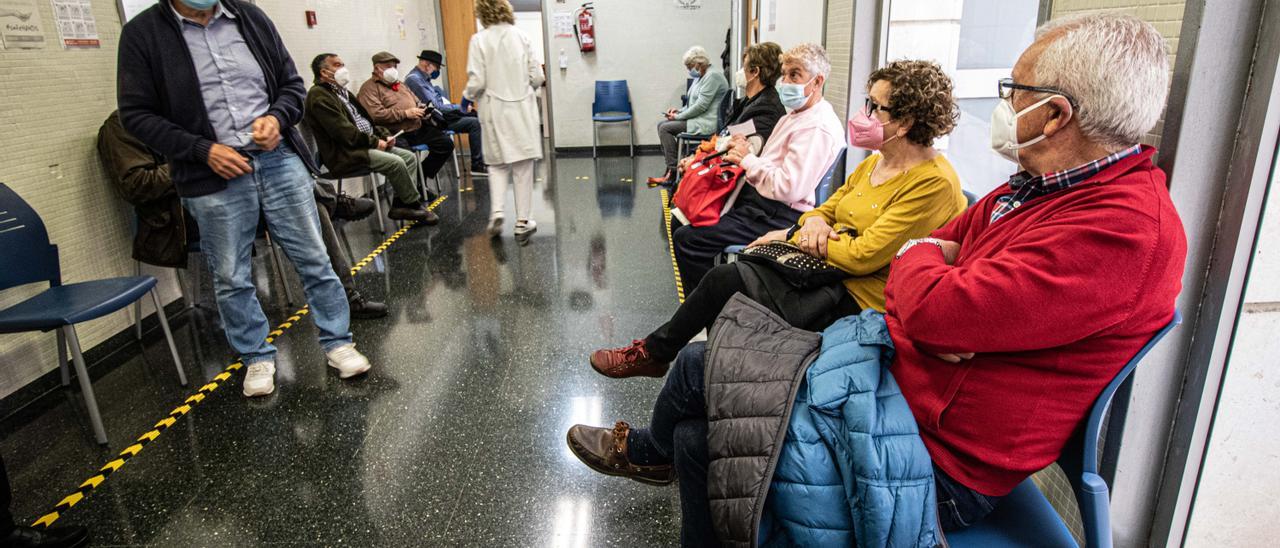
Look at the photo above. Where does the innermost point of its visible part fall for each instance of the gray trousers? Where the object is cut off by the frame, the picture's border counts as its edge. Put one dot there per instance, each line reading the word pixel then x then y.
pixel 667 131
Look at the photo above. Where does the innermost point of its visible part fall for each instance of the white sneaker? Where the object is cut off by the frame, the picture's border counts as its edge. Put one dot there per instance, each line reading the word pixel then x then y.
pixel 526 227
pixel 260 379
pixel 348 361
pixel 495 226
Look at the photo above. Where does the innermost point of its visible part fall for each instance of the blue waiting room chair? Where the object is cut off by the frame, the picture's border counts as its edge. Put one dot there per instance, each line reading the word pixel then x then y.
pixel 27 256
pixel 1026 518
pixel 612 105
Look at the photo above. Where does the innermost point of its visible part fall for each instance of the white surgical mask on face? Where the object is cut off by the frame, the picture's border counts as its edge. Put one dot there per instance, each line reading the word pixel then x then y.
pixel 1004 129
pixel 740 78
pixel 342 76
pixel 391 75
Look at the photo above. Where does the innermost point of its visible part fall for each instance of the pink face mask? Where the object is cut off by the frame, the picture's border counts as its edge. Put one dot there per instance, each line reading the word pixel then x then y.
pixel 867 131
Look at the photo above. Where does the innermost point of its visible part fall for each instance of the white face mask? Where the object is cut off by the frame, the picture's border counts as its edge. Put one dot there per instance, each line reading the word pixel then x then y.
pixel 342 76
pixel 1004 129
pixel 740 78
pixel 391 75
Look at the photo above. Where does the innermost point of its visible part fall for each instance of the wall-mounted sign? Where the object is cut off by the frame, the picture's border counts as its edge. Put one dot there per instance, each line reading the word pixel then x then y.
pixel 76 25
pixel 20 24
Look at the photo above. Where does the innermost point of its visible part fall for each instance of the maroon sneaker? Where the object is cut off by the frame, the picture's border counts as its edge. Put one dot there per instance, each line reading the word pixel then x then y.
pixel 605 450
pixel 628 361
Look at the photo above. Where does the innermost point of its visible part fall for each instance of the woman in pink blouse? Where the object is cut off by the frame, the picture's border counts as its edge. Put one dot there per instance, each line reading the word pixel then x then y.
pixel 782 178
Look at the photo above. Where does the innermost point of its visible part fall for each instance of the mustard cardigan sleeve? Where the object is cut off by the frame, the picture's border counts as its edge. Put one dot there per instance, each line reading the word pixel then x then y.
pixel 917 211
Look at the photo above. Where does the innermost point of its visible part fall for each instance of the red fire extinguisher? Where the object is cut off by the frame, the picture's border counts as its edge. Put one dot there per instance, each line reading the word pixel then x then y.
pixel 585 29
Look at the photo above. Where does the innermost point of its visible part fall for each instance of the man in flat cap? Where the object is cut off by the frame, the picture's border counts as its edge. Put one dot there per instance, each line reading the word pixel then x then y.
pixel 391 105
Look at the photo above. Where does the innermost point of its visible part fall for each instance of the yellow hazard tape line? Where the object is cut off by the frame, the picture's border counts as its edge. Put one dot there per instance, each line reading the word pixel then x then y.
pixel 188 404
pixel 671 244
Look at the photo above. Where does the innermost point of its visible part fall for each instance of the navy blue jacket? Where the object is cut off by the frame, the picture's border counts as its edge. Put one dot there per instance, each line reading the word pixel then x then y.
pixel 159 96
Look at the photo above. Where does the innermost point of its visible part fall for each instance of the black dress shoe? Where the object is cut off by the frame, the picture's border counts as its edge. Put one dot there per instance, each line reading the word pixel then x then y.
pixel 56 537
pixel 401 211
pixel 353 209
pixel 479 168
pixel 365 309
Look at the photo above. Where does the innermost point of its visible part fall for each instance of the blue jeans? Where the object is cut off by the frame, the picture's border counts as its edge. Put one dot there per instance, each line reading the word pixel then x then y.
pixel 677 434
pixel 281 189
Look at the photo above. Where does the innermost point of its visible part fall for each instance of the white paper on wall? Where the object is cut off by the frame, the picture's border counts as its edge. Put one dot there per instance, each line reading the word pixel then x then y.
pixel 76 25
pixel 20 24
pixel 562 24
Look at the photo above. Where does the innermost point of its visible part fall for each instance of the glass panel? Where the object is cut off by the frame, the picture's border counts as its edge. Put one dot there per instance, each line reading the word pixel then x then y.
pixel 976 42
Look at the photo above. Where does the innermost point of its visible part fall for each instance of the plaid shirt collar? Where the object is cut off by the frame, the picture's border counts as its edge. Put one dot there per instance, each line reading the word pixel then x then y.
pixel 1026 187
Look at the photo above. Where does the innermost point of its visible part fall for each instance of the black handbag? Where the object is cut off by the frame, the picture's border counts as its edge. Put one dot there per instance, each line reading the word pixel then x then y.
pixel 798 268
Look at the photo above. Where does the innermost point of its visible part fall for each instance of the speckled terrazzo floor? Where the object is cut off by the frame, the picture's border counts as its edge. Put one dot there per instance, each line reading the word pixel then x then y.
pixel 455 438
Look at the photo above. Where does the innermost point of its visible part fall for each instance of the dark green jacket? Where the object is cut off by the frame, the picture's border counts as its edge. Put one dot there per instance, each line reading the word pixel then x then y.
pixel 141 177
pixel 343 148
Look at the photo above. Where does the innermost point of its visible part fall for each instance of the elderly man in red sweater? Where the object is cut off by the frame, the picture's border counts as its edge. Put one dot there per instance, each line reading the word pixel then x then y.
pixel 1010 320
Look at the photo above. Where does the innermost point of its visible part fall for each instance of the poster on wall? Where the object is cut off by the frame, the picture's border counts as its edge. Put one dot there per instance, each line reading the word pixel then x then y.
pixel 562 24
pixel 131 8
pixel 76 25
pixel 22 27
pixel 688 4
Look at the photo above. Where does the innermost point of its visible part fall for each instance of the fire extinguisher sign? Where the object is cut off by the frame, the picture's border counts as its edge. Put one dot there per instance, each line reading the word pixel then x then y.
pixel 688 4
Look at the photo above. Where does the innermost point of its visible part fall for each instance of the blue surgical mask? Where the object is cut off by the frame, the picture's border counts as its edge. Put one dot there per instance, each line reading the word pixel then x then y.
pixel 435 74
pixel 200 4
pixel 792 95
pixel 693 73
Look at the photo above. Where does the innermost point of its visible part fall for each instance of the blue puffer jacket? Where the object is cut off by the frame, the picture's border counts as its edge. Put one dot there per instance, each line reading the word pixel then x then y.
pixel 853 468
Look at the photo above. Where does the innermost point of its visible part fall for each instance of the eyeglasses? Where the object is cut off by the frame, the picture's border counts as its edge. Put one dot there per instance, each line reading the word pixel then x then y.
pixel 1005 87
pixel 871 107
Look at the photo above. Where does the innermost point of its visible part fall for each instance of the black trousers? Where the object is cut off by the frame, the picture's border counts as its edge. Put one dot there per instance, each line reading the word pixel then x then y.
pixel 439 146
pixel 6 497
pixel 751 217
pixel 813 309
pixel 677 434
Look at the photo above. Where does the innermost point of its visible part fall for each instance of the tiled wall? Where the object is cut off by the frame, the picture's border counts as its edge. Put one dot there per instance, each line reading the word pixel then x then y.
pixel 54 100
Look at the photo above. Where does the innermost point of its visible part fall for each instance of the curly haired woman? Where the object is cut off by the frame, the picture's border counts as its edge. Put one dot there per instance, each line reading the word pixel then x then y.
pixel 905 191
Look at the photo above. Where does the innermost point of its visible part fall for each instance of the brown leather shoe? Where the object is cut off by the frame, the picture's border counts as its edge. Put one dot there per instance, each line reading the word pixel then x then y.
pixel 628 361
pixel 605 450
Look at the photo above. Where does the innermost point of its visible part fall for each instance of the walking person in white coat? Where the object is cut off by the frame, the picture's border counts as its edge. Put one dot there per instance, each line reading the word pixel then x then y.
pixel 502 74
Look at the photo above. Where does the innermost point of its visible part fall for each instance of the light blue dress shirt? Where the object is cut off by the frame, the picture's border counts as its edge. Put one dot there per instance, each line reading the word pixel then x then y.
pixel 231 80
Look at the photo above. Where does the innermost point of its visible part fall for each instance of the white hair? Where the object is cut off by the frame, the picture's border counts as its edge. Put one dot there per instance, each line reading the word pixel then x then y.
pixel 697 57
pixel 812 56
pixel 1116 67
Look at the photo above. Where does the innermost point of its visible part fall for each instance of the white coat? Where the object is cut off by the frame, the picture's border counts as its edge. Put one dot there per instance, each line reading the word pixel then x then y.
pixel 502 74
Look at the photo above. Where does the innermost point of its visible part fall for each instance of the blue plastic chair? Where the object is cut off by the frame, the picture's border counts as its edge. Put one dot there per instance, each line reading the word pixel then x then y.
pixel 612 105
pixel 28 257
pixel 1026 518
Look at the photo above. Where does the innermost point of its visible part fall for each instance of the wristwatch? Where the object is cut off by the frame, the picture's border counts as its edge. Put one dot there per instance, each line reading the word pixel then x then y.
pixel 912 243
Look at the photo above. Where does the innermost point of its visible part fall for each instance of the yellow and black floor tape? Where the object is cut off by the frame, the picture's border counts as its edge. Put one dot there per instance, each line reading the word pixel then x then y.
pixel 193 400
pixel 671 244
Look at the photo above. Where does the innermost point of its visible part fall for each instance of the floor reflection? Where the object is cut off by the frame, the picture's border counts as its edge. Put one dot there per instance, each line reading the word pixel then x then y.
pixel 457 435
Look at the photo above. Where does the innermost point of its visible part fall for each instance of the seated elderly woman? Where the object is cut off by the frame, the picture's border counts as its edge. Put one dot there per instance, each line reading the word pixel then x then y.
pixel 781 179
pixel 904 192
pixel 760 105
pixel 700 113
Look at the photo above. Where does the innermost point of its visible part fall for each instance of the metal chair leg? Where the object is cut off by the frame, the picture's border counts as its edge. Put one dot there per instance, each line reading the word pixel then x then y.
pixel 422 178
pixel 278 265
pixel 86 385
pixel 168 336
pixel 377 202
pixel 63 367
pixel 632 126
pixel 457 149
pixel 137 305
pixel 595 136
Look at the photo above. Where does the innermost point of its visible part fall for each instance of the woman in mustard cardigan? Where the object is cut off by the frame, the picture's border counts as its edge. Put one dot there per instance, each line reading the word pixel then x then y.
pixel 905 191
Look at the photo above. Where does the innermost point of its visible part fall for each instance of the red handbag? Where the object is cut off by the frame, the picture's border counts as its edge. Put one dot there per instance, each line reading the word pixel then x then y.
pixel 705 187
